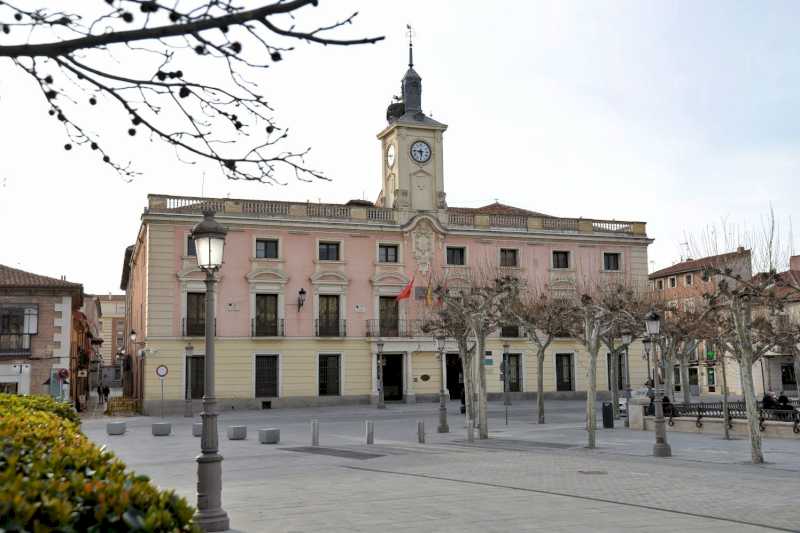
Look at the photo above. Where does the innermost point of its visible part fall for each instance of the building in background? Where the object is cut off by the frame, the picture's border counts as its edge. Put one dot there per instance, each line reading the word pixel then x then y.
pixel 682 284
pixel 113 333
pixel 307 290
pixel 780 373
pixel 44 338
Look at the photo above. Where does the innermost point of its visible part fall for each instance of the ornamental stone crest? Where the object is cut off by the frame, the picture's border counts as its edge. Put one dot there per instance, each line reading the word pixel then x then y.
pixel 423 238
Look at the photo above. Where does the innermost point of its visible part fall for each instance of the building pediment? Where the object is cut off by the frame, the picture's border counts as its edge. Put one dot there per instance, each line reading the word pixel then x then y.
pixel 395 278
pixel 267 275
pixel 329 277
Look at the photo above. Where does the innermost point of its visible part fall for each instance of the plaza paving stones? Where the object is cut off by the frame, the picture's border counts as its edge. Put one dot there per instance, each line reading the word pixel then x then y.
pixel 527 477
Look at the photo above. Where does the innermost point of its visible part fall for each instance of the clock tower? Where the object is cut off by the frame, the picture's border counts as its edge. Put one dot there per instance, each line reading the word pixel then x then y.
pixel 411 146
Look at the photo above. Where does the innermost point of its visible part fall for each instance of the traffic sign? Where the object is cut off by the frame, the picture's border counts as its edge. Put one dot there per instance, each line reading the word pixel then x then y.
pixel 162 371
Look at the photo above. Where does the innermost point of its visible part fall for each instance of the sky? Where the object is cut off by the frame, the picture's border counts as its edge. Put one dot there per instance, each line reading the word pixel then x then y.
pixel 680 114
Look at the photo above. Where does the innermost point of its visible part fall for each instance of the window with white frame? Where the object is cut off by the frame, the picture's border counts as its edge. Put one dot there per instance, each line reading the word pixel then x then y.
pixel 688 280
pixel 611 261
pixel 560 259
pixel 509 257
pixel 388 253
pixel 673 282
pixel 266 248
pixel 456 255
pixel 329 251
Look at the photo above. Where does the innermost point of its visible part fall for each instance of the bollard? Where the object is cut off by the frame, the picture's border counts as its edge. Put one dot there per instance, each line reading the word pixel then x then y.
pixel 314 432
pixel 421 431
pixel 197 429
pixel 369 431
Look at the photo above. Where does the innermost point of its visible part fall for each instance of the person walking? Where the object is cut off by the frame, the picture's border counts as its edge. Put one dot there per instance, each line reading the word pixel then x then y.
pixel 106 392
pixel 99 395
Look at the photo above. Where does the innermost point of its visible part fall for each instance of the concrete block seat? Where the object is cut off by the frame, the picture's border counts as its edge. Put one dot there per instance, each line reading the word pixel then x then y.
pixel 161 429
pixel 116 428
pixel 237 432
pixel 197 429
pixel 269 435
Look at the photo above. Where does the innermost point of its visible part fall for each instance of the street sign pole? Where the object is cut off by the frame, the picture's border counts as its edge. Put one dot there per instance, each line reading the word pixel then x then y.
pixel 161 372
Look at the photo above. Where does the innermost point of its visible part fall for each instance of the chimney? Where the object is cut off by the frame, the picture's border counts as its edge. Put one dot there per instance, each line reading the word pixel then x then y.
pixel 740 250
pixel 794 262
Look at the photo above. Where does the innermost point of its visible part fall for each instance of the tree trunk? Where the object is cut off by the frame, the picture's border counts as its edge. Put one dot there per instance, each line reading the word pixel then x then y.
pixel 483 413
pixel 669 375
pixel 540 384
pixel 591 395
pixel 466 362
pixel 615 371
pixel 687 397
pixel 746 369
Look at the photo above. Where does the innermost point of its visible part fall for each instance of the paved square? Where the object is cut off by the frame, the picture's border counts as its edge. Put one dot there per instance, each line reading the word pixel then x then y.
pixel 525 478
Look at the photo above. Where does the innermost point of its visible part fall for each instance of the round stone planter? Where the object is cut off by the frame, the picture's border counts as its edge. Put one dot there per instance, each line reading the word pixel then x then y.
pixel 161 429
pixel 269 435
pixel 237 432
pixel 116 428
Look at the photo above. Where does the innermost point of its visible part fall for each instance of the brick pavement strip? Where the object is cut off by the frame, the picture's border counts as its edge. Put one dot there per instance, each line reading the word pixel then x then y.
pixel 523 479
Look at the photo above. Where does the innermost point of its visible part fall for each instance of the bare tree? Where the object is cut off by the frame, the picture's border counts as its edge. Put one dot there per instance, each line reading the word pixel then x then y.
pixel 542 318
pixel 745 311
pixel 154 62
pixel 600 309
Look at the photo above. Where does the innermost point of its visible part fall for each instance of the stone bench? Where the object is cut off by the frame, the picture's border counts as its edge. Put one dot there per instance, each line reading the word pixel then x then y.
pixel 237 432
pixel 269 435
pixel 116 428
pixel 161 429
pixel 197 429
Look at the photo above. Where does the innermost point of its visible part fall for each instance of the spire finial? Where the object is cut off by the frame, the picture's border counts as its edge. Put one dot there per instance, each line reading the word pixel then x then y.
pixel 410 33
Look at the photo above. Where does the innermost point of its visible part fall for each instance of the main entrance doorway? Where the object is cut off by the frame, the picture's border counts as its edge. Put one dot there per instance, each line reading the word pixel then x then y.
pixel 393 377
pixel 455 376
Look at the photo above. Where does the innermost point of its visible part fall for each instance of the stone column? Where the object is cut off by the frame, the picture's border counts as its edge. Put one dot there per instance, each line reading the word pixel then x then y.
pixel 373 395
pixel 410 396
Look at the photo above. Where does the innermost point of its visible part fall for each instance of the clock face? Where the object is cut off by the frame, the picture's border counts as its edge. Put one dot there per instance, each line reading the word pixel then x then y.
pixel 390 156
pixel 420 152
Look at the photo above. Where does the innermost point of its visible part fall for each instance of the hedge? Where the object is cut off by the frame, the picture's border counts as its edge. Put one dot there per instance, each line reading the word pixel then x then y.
pixel 53 478
pixel 9 402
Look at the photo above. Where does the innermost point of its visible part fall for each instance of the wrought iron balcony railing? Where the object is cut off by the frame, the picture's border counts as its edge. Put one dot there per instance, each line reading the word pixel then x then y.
pixel 395 328
pixel 15 343
pixel 324 327
pixel 267 328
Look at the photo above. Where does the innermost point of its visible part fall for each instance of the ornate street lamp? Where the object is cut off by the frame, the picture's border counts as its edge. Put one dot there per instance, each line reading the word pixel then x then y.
pixel 187 408
pixel 209 240
pixel 443 427
pixel 381 363
pixel 652 322
pixel 506 372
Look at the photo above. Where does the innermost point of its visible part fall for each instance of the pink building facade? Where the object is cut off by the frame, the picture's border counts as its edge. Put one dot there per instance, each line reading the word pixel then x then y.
pixel 308 290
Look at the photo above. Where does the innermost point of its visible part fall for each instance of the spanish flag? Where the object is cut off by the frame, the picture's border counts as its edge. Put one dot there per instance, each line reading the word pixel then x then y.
pixel 429 292
pixel 406 292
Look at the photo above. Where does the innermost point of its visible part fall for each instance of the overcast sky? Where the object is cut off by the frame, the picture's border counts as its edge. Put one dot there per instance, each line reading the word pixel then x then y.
pixel 675 113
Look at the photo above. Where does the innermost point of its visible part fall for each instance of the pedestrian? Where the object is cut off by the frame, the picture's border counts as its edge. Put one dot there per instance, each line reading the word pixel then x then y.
pixel 100 395
pixel 106 392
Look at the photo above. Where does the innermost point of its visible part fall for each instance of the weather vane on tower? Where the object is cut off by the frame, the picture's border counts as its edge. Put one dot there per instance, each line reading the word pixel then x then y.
pixel 410 33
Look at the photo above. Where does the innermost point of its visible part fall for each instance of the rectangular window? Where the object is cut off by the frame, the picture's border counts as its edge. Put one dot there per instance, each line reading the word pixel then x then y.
pixel 508 257
pixel 195 377
pixel 611 262
pixel 195 314
pixel 387 253
pixel 660 284
pixel 673 282
pixel 266 376
pixel 689 280
pixel 560 259
pixel 329 251
pixel 329 375
pixel 266 319
pixel 191 251
pixel 266 248
pixel 18 322
pixel 456 255
pixel 564 375
pixel 328 322
pixel 509 331
pixel 787 375
pixel 621 368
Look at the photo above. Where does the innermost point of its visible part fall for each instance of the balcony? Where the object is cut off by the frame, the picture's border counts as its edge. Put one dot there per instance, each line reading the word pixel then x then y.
pixel 511 332
pixel 267 328
pixel 324 327
pixel 15 344
pixel 195 328
pixel 395 328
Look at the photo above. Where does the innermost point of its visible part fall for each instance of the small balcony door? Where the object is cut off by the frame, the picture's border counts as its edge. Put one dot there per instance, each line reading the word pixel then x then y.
pixel 565 380
pixel 329 315
pixel 266 376
pixel 266 315
pixel 195 314
pixel 329 373
pixel 389 316
pixel 514 372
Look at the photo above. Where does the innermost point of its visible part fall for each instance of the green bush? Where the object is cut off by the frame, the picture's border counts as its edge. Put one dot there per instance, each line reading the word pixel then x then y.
pixel 10 402
pixel 52 478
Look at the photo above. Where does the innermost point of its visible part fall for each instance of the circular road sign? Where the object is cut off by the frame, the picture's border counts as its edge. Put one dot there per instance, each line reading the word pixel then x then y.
pixel 162 371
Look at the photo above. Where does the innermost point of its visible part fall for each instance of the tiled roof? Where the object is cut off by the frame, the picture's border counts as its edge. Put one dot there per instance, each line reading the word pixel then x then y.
pixel 12 277
pixel 496 209
pixel 694 265
pixel 790 277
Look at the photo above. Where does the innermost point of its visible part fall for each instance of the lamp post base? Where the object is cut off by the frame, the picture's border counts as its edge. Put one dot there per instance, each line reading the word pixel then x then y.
pixel 213 520
pixel 443 427
pixel 662 449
